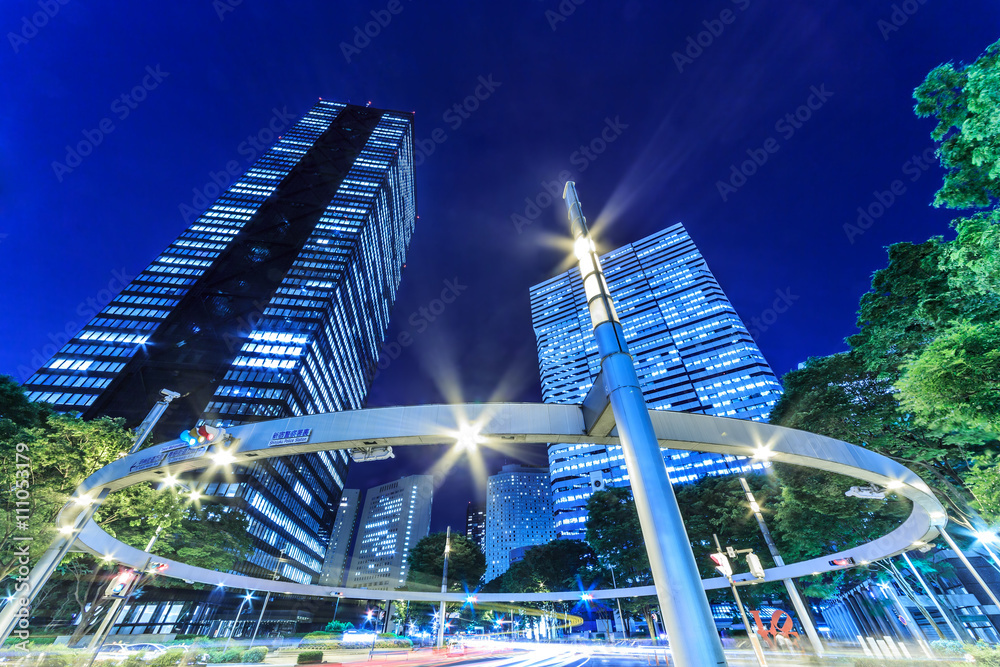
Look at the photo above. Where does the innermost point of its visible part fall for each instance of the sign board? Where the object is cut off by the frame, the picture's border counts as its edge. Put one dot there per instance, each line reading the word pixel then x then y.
pixel 290 437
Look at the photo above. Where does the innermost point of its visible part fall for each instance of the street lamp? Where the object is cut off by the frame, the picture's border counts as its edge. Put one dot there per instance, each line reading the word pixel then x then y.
pixel 236 623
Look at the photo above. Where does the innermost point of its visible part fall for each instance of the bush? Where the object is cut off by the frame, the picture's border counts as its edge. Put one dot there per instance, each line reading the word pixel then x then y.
pixel 947 647
pixel 169 659
pixel 231 655
pixel 985 654
pixel 338 626
pixel 255 654
pixel 309 658
pixel 54 660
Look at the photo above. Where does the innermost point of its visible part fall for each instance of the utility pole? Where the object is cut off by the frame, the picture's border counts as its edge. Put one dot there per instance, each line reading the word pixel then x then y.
pixel 267 598
pixel 727 571
pixel 687 617
pixel 793 592
pixel 621 616
pixel 442 619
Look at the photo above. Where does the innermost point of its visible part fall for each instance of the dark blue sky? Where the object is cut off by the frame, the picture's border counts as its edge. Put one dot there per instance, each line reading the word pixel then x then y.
pixel 221 69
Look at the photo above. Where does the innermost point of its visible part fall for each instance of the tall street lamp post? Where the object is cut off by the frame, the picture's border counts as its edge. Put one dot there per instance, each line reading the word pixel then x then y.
pixel 687 617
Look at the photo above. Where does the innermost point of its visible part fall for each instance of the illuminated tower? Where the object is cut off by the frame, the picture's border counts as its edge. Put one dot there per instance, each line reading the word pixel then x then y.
pixel 273 303
pixel 692 354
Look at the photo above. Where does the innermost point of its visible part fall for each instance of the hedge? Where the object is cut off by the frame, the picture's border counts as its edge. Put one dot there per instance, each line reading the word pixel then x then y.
pixel 309 658
pixel 255 654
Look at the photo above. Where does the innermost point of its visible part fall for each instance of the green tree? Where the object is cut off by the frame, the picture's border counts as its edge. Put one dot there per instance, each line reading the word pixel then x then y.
pixel 466 563
pixel 963 100
pixel 839 397
pixel 954 382
pixel 559 565
pixel 614 533
pixel 56 452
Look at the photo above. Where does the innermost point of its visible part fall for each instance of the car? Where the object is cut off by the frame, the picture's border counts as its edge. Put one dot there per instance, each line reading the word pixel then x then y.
pixel 148 651
pixel 112 652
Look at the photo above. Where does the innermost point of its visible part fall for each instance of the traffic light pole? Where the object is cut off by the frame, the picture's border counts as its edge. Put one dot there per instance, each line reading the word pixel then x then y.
pixel 687 617
pixel 267 598
pixel 751 634
pixel 793 591
pixel 444 588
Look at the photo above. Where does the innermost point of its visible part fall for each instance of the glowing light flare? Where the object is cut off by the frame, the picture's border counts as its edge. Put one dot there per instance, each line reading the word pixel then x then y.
pixel 754 506
pixel 83 501
pixel 985 536
pixel 194 496
pixel 583 246
pixel 170 480
pixel 762 453
pixel 468 438
pixel 66 530
pixel 894 484
pixel 223 457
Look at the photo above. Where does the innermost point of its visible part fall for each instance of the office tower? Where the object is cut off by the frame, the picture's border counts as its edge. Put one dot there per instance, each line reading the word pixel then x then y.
pixel 396 516
pixel 475 523
pixel 518 514
pixel 335 564
pixel 692 354
pixel 273 303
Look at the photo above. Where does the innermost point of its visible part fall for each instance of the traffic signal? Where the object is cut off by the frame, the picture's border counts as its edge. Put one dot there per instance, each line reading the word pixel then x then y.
pixel 756 569
pixel 159 567
pixel 722 564
pixel 202 434
pixel 119 583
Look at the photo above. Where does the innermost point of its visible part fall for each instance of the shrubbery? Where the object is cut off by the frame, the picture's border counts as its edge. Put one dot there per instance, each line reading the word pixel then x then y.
pixel 169 659
pixel 309 658
pixel 255 654
pixel 948 647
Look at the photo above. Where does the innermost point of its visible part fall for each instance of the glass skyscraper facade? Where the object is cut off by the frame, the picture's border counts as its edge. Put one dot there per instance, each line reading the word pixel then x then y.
pixel 273 303
pixel 518 514
pixel 692 354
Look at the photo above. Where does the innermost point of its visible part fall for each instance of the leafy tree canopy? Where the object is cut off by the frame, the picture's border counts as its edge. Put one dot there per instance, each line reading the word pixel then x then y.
pixel 466 563
pixel 963 100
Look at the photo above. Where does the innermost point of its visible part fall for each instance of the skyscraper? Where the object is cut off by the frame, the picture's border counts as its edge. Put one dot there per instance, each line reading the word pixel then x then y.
pixel 518 514
pixel 335 565
pixel 692 354
pixel 397 515
pixel 273 303
pixel 475 523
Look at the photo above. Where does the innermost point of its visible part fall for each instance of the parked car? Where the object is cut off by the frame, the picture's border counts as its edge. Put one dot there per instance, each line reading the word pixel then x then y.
pixel 148 651
pixel 112 652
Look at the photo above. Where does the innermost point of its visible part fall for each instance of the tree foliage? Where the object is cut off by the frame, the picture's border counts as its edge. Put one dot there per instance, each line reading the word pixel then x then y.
pixel 466 563
pixel 614 533
pixel 560 565
pixel 963 100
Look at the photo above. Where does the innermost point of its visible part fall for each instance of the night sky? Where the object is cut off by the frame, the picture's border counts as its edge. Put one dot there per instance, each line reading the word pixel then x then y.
pixel 685 90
